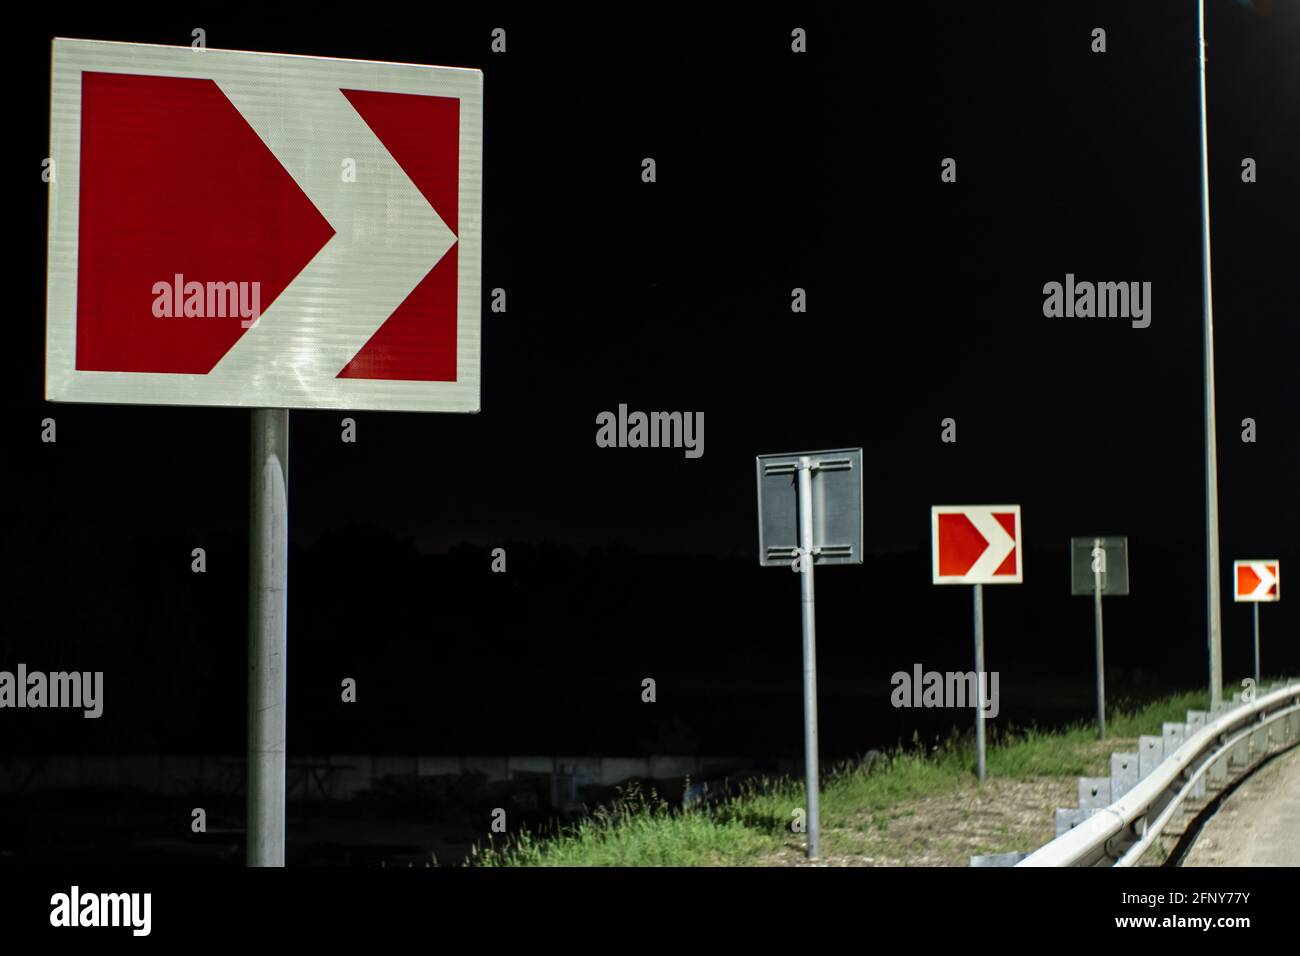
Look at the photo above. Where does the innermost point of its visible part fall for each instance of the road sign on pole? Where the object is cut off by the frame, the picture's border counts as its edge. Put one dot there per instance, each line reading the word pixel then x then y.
pixel 263 231
pixel 1099 566
pixel 269 232
pixel 810 512
pixel 1258 582
pixel 1105 557
pixel 977 545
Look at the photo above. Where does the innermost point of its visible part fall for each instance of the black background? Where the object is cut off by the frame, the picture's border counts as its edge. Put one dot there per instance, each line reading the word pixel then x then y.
pixel 775 170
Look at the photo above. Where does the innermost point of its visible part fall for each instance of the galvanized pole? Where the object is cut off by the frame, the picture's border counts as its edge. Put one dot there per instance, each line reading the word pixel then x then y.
pixel 979 676
pixel 1101 666
pixel 1211 447
pixel 268 583
pixel 809 655
pixel 1256 607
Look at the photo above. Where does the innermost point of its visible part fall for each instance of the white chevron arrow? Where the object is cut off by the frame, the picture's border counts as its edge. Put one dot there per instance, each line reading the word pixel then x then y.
pixel 1001 544
pixel 387 236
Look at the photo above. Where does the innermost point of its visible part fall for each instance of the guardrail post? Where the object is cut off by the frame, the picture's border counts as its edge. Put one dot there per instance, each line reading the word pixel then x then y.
pixel 1094 793
pixel 1240 754
pixel 1151 750
pixel 1123 774
pixel 1259 741
pixel 1174 735
pixel 1067 818
pixel 1218 774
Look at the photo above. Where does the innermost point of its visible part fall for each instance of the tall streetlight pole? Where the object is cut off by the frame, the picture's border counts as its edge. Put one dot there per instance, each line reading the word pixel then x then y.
pixel 1214 623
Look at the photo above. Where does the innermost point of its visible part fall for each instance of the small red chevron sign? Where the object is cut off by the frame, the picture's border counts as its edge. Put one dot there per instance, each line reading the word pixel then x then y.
pixel 976 544
pixel 1257 581
pixel 258 230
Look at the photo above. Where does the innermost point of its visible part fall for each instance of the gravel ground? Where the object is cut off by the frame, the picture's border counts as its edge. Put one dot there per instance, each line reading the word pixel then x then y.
pixel 944 830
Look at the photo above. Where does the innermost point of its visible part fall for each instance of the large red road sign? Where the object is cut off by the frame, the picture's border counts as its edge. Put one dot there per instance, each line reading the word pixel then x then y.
pixel 259 230
pixel 1256 581
pixel 976 544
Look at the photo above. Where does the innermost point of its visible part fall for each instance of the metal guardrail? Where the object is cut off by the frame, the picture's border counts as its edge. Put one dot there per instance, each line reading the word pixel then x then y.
pixel 1238 736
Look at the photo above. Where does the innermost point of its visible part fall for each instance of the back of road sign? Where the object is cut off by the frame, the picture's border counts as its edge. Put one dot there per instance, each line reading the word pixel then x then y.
pixel 1112 559
pixel 836 512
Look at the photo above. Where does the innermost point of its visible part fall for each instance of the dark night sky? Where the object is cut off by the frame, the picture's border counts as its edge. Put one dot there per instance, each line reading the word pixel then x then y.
pixel 775 170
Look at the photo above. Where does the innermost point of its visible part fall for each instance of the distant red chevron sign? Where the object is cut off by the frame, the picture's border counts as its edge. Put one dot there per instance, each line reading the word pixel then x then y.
pixel 976 544
pixel 259 230
pixel 1257 581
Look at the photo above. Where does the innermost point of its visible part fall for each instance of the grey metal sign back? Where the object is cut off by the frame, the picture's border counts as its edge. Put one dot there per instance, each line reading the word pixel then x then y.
pixel 836 507
pixel 1112 557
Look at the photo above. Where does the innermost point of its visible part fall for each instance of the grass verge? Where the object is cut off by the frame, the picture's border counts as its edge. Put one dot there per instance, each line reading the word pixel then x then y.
pixel 917 805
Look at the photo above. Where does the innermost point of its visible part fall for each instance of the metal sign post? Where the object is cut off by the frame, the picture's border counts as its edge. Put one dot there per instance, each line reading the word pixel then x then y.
pixel 268 598
pixel 1099 566
pixel 978 591
pixel 820 523
pixel 806 556
pixel 1098 569
pixel 1256 643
